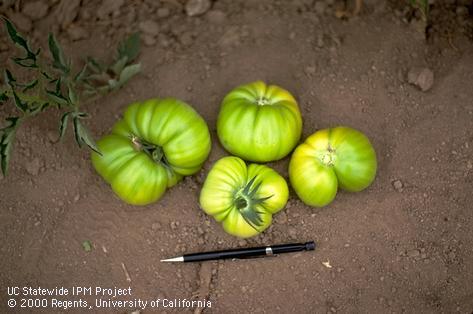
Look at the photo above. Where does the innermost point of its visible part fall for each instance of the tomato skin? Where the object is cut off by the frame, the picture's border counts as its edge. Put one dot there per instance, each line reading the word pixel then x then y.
pixel 259 122
pixel 157 142
pixel 243 198
pixel 331 158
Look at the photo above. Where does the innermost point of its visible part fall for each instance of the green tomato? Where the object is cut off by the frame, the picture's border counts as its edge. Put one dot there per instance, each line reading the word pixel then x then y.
pixel 259 123
pixel 243 198
pixel 155 144
pixel 331 158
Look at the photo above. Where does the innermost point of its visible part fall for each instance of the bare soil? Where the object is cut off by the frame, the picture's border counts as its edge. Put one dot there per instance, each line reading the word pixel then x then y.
pixel 404 245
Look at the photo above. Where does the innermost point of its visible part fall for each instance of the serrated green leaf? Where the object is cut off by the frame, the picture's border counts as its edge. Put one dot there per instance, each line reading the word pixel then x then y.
pixel 100 78
pixel 128 72
pixel 119 65
pixel 130 47
pixel 24 62
pixel 9 78
pixel 58 99
pixel 58 86
pixel 19 103
pixel 59 61
pixel 30 85
pixel 83 136
pixel 94 65
pixel 46 75
pixel 90 92
pixel 113 84
pixel 36 108
pixel 22 42
pixel 72 95
pixel 7 135
pixel 81 74
pixel 63 124
pixel 3 97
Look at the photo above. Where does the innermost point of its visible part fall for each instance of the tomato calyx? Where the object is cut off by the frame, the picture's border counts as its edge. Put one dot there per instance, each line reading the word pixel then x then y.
pixel 245 201
pixel 155 152
pixel 262 101
pixel 327 157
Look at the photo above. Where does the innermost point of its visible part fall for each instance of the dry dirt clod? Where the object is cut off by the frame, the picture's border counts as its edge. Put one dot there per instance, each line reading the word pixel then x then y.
pixel 163 13
pixel 149 40
pixel 108 7
pixel 67 11
pixel 320 7
pixel 398 185
pixel 35 10
pixel 216 16
pixel 413 253
pixel 149 27
pixel 22 22
pixel 197 7
pixel 423 78
pixel 33 166
pixel 77 33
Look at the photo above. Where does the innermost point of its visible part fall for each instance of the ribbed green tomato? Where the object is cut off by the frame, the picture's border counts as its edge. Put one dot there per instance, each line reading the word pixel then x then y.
pixel 243 198
pixel 259 123
pixel 331 158
pixel 156 143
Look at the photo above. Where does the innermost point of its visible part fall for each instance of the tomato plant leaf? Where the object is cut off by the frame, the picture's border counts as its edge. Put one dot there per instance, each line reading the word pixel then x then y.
pixel 128 72
pixel 9 78
pixel 23 43
pixel 30 85
pixel 7 135
pixel 118 66
pixel 130 47
pixel 59 100
pixel 57 53
pixel 83 136
pixel 81 74
pixel 72 95
pixel 34 109
pixel 94 65
pixel 23 106
pixel 3 97
pixel 63 124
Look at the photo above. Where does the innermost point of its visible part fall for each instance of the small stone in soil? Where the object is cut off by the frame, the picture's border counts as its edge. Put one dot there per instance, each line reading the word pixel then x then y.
pixel 423 78
pixel 77 33
pixel 149 27
pixel 197 7
pixel 33 166
pixel 461 11
pixel 163 12
pixel 35 9
pixel 149 40
pixel 310 70
pixel 216 16
pixel 109 6
pixel 242 243
pixel 398 185
pixel 186 39
pixel 413 253
pixel 319 7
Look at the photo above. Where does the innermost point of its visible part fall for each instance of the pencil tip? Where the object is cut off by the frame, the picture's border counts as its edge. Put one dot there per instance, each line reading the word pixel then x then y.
pixel 174 259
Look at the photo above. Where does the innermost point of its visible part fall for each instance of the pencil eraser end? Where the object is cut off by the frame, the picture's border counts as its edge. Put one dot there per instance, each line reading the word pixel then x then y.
pixel 310 246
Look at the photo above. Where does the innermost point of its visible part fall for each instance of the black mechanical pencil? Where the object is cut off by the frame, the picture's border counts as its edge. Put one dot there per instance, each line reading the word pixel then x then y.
pixel 261 251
